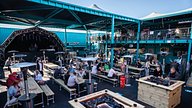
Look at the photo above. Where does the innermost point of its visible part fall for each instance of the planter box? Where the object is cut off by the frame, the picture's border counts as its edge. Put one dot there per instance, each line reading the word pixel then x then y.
pixel 158 95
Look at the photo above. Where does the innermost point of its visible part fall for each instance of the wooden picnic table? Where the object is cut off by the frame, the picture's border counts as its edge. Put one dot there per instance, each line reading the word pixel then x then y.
pixel 34 88
pixel 51 66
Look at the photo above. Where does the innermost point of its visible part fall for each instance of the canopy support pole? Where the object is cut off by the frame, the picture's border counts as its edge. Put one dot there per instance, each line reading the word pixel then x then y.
pixel 87 38
pixel 189 52
pixel 106 55
pixel 138 36
pixel 112 40
pixel 65 37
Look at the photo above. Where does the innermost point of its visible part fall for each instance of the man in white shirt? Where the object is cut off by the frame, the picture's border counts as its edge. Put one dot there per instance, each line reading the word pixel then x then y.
pixel 111 73
pixel 72 80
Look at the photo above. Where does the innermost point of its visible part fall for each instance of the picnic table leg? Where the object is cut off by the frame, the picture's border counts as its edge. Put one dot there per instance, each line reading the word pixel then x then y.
pixel 70 97
pixel 42 100
pixel 47 101
pixel 78 90
pixel 53 99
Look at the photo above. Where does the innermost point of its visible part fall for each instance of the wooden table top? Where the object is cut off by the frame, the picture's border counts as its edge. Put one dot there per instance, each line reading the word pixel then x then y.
pixel 117 73
pixel 3 88
pixel 51 65
pixel 127 103
pixel 80 80
pixel 135 68
pixel 33 86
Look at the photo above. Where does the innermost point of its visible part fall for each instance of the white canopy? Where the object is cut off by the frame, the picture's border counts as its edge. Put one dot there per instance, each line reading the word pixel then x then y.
pixel 128 56
pixel 23 64
pixel 149 54
pixel 89 59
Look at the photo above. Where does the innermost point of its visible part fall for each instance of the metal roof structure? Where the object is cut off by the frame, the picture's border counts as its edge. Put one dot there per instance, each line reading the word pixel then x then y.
pixel 56 14
pixel 156 20
pixel 156 15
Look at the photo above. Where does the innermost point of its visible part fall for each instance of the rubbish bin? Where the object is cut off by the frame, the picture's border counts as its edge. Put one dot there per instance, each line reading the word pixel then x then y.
pixel 122 81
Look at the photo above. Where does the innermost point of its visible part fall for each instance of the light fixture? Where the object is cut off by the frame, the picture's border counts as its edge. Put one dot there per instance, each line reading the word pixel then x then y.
pixel 37 21
pixel 184 22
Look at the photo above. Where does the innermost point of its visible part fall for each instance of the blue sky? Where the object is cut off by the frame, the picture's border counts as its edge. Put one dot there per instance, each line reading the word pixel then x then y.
pixel 136 8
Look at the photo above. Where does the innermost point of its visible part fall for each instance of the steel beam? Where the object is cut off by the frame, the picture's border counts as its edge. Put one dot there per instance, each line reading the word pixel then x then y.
pixel 33 17
pixel 12 20
pixel 112 40
pixel 52 14
pixel 28 8
pixel 86 23
pixel 77 18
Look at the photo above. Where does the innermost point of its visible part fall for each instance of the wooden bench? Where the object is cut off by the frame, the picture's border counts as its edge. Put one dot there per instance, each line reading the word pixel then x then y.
pixel 103 77
pixel 30 73
pixel 48 93
pixel 71 91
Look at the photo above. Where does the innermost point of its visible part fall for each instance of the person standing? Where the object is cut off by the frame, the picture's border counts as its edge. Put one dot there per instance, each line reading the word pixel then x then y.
pixel 147 66
pixel 40 66
pixel 8 64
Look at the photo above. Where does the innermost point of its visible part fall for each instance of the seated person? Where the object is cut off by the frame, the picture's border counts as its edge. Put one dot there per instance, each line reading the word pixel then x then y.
pixel 100 67
pixel 72 81
pixel 38 77
pixel 14 91
pixel 106 67
pixel 115 60
pixel 94 69
pixel 104 59
pixel 66 77
pixel 12 79
pixel 81 73
pixel 71 69
pixel 123 65
pixel 158 71
pixel 85 65
pixel 138 64
pixel 111 73
pixel 173 75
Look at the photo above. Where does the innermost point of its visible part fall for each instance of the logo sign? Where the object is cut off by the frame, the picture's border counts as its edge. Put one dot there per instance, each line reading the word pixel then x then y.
pixel 73 43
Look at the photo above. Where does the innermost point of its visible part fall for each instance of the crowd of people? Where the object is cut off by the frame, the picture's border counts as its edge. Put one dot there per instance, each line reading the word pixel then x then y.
pixel 76 68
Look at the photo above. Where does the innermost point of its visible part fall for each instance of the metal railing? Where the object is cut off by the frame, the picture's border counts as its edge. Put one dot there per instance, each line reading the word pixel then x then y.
pixel 164 34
